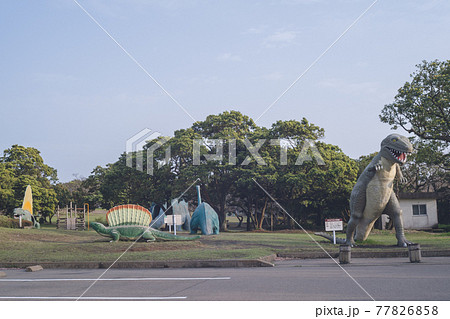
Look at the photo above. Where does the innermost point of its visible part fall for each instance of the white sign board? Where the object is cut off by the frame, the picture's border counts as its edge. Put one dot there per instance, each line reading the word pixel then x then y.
pixel 333 224
pixel 172 219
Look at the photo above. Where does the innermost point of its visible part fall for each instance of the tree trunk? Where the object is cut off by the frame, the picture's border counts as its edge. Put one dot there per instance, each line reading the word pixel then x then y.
pixel 319 220
pixel 248 221
pixel 262 214
pixel 271 221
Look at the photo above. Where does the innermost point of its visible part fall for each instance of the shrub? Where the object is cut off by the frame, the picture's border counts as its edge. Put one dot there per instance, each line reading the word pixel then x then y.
pixel 101 220
pixel 446 228
pixel 13 223
pixel 5 222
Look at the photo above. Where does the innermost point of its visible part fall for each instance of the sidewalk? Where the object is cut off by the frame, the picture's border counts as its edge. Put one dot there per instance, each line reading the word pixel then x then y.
pixel 358 262
pixel 309 259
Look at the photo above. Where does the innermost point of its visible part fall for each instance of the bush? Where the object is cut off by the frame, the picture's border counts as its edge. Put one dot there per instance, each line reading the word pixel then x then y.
pixel 5 222
pixel 101 220
pixel 446 228
pixel 13 223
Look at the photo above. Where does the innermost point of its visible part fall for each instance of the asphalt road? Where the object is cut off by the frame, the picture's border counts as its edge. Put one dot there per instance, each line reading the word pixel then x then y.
pixel 302 280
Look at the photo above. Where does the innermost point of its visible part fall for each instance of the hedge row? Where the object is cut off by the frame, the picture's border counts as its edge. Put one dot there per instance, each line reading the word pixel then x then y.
pixel 13 223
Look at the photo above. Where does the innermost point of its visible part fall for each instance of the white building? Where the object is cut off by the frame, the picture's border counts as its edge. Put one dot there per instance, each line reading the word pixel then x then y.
pixel 419 210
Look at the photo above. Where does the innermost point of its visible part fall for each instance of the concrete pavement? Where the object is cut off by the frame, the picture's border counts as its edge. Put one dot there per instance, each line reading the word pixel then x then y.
pixel 314 279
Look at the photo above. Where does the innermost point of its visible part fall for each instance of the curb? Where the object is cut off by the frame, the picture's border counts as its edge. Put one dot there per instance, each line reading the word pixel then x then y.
pixel 266 261
pixel 221 263
pixel 364 254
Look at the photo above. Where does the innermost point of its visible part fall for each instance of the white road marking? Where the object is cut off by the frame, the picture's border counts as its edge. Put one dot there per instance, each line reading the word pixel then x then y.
pixel 91 298
pixel 114 279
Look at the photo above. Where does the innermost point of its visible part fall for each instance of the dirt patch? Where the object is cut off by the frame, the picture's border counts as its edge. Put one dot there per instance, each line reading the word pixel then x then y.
pixel 166 246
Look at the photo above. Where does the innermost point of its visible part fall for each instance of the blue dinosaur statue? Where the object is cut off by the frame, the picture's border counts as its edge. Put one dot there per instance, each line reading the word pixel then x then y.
pixel 204 218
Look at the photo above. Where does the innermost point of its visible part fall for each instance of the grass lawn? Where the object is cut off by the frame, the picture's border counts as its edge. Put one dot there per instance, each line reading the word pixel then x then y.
pixel 49 244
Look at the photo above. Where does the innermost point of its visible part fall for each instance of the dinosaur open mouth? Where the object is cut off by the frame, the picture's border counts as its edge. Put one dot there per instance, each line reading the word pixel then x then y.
pixel 401 156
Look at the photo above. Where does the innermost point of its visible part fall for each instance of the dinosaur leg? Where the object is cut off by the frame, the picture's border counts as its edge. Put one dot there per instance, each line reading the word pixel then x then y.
pixel 357 205
pixel 394 211
pixel 148 236
pixel 194 230
pixel 115 236
pixel 363 229
pixel 351 226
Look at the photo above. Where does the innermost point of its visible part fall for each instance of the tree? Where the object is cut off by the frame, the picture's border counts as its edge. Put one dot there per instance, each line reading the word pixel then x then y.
pixel 219 176
pixel 312 192
pixel 89 190
pixel 7 181
pixel 22 166
pixel 80 190
pixel 363 161
pixel 63 194
pixel 309 191
pixel 123 185
pixel 422 106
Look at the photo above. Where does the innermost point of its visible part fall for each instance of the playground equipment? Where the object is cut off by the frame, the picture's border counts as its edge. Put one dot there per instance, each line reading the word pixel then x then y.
pixel 71 217
pixel 204 218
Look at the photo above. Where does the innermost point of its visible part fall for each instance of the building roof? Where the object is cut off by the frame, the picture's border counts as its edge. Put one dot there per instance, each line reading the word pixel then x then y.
pixel 420 195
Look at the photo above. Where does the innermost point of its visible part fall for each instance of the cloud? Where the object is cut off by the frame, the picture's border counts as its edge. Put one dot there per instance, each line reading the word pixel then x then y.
pixel 255 30
pixel 279 39
pixel 229 57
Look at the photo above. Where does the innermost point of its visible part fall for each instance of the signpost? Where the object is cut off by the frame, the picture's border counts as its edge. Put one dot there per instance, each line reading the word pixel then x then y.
pixel 173 220
pixel 333 225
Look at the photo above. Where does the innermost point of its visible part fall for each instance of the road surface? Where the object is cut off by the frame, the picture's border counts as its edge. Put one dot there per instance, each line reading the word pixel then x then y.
pixel 302 280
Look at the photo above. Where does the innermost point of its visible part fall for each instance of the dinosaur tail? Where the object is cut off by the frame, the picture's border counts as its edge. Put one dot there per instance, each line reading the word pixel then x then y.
pixel 340 241
pixel 167 236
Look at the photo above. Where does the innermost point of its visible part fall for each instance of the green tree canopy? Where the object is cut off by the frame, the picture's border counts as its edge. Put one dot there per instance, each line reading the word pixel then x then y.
pixel 228 182
pixel 422 106
pixel 21 166
pixel 215 153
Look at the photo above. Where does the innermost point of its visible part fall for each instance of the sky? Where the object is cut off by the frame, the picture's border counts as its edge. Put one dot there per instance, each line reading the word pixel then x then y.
pixel 77 90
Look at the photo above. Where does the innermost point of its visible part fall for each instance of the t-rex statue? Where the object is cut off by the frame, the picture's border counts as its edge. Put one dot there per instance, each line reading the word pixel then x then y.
pixel 373 192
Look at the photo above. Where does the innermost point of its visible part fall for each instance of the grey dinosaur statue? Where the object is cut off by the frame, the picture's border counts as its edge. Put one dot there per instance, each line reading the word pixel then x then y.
pixel 373 192
pixel 26 215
